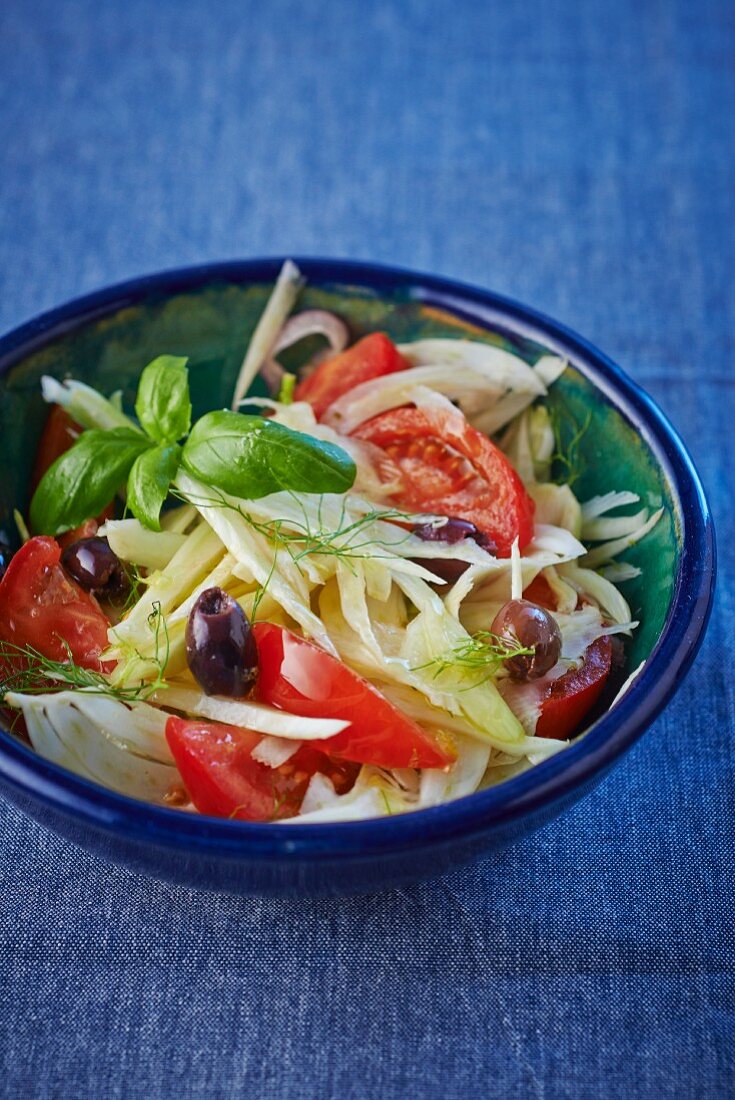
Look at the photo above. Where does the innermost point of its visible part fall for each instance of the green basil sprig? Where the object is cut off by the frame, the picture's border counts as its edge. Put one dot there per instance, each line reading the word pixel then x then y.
pixel 163 406
pixel 247 456
pixel 149 481
pixel 250 457
pixel 83 481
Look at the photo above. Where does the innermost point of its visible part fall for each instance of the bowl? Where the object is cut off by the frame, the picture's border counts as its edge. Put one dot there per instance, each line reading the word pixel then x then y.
pixel 207 313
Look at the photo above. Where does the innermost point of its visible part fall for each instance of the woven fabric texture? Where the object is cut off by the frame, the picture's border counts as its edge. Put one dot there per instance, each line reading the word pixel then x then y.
pixel 577 156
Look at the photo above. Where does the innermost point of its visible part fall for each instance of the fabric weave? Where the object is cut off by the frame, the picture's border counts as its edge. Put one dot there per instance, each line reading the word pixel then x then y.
pixel 578 157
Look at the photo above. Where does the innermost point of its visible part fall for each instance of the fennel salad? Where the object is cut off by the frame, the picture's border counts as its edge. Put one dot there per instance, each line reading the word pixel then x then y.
pixel 360 596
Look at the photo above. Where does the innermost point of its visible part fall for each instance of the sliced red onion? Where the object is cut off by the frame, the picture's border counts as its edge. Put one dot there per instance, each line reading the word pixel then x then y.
pixel 311 322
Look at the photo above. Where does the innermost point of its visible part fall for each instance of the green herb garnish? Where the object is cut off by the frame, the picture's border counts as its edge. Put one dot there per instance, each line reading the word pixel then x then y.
pixel 149 482
pixel 83 481
pixel 568 434
pixel 483 652
pixel 346 541
pixel 248 456
pixel 35 674
pixel 288 385
pixel 163 405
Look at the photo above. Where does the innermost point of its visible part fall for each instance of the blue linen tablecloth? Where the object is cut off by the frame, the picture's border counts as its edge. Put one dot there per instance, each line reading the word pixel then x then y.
pixel 577 156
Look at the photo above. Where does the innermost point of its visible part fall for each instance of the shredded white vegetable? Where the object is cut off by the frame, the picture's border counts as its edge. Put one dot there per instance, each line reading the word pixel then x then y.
pixel 274 751
pixel 110 742
pixel 609 550
pixel 253 716
pixel 280 304
pixel 133 542
pixel 84 404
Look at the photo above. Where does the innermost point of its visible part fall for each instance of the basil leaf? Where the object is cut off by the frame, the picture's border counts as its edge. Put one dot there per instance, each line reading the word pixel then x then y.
pixel 149 481
pixel 84 479
pixel 249 456
pixel 163 405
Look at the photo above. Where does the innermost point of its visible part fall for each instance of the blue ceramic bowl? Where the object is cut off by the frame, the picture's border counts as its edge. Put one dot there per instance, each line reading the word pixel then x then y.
pixel 176 310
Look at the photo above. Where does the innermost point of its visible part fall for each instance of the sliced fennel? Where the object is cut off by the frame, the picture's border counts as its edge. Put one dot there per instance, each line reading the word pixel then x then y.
pixel 501 370
pixel 463 778
pixel 132 542
pixel 547 370
pixel 117 744
pixel 603 592
pixel 85 405
pixel 241 712
pixel 274 751
pixel 278 307
pixel 609 550
pixel 167 588
pixel 556 505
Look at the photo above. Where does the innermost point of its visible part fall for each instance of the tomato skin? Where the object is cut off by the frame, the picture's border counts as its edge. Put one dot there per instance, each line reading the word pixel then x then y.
pixel 300 678
pixel 86 530
pixel 224 780
pixel 59 434
pixel 369 358
pixel 540 592
pixel 40 606
pixel 447 466
pixel 573 695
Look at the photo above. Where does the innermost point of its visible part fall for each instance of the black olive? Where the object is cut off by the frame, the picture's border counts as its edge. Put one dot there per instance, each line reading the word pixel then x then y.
pixel 95 566
pixel 450 533
pixel 523 623
pixel 220 647
pixel 617 654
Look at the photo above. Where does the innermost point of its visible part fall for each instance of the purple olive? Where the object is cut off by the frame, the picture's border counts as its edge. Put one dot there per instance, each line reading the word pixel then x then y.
pixel 220 647
pixel 450 533
pixel 523 623
pixel 96 568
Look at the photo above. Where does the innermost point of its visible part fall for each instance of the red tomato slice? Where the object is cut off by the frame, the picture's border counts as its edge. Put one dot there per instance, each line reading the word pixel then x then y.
pixel 573 695
pixel 59 434
pixel 223 780
pixel 302 679
pixel 447 466
pixel 369 358
pixel 85 530
pixel 540 592
pixel 40 606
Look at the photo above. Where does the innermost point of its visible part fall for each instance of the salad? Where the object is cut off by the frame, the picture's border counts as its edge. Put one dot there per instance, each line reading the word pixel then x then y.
pixel 362 595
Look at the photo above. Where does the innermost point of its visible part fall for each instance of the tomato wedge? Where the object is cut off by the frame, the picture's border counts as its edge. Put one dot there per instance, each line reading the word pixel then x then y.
pixel 447 466
pixel 59 434
pixel 302 679
pixel 224 780
pixel 573 695
pixel 369 358
pixel 40 606
pixel 540 592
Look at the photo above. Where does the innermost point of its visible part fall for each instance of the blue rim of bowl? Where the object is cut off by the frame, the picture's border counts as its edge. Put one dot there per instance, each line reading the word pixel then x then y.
pixel 549 783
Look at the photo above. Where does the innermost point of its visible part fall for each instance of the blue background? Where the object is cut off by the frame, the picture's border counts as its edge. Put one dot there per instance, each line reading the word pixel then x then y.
pixel 577 156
